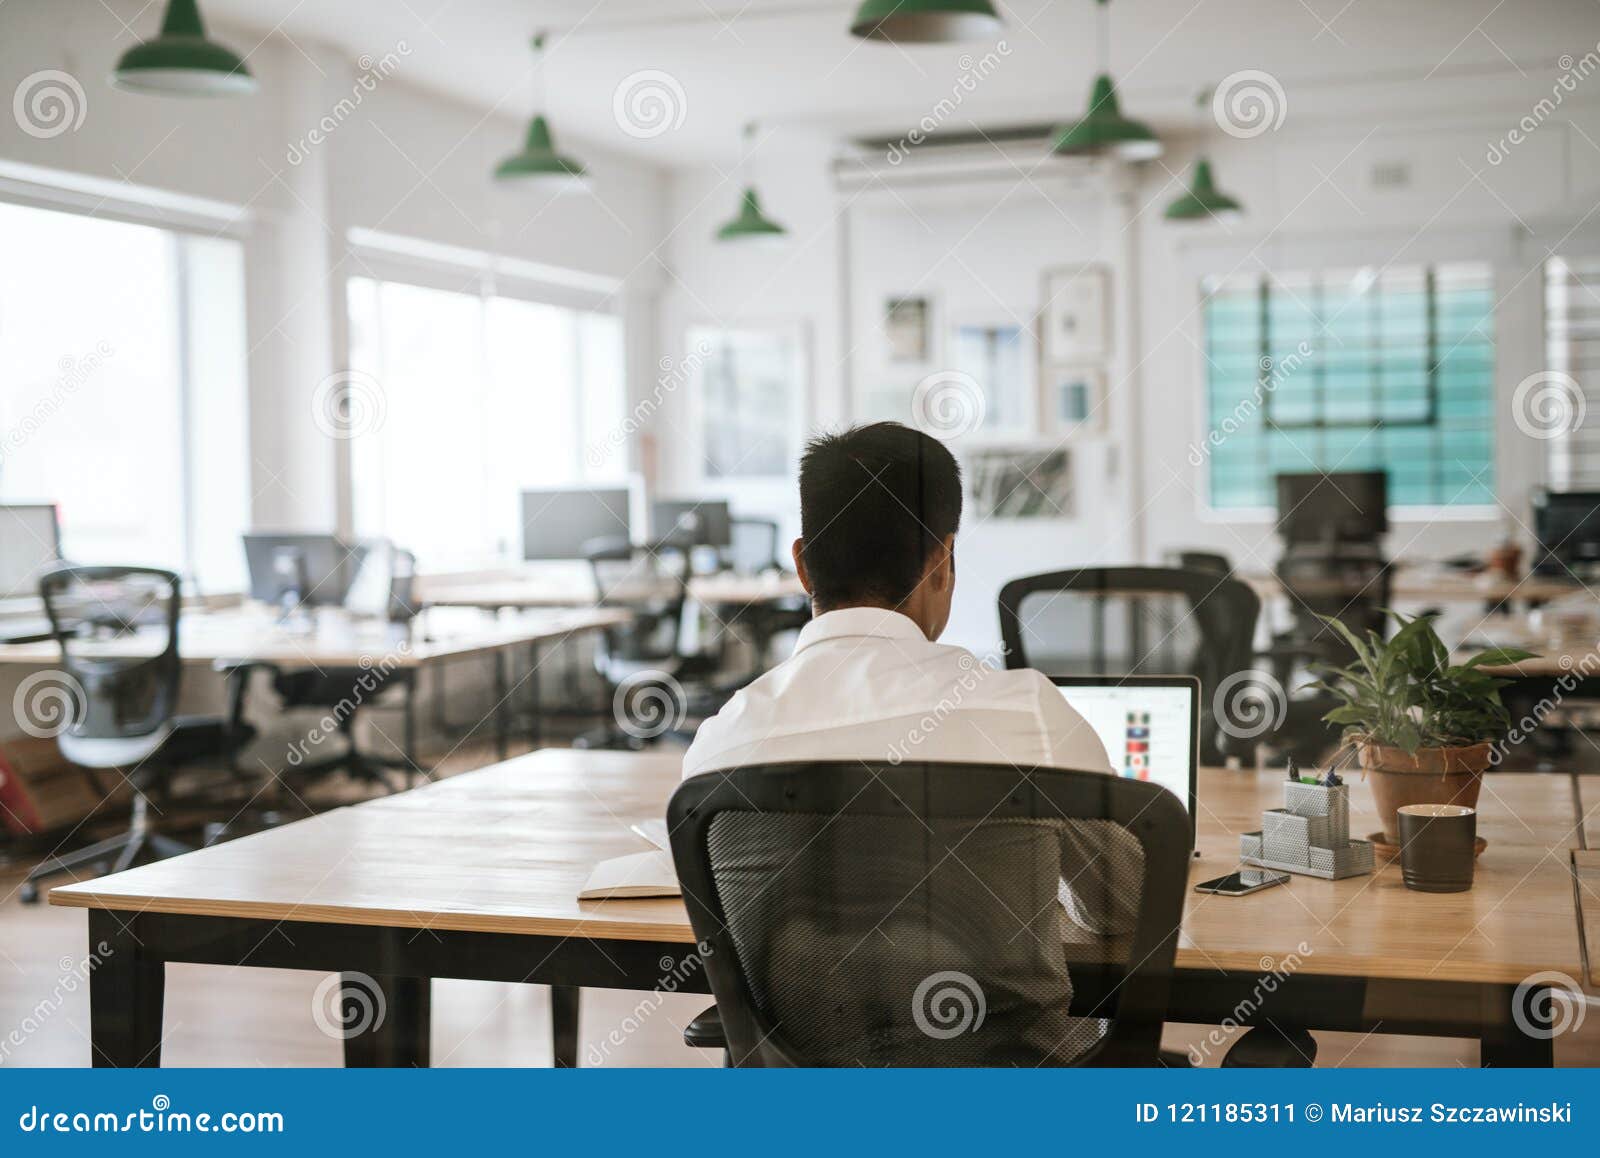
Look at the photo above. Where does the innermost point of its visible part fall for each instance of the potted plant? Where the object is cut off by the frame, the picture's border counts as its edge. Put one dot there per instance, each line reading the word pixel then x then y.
pixel 1423 726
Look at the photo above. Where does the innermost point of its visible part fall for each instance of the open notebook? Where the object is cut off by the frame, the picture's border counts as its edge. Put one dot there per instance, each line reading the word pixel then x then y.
pixel 641 874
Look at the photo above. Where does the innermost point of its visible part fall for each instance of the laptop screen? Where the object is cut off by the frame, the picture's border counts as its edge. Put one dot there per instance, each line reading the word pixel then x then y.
pixel 1148 729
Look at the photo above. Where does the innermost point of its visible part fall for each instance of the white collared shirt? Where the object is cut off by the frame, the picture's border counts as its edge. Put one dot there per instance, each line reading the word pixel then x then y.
pixel 865 683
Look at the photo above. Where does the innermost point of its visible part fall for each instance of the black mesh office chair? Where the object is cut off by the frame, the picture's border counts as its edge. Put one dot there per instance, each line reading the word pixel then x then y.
pixel 653 683
pixel 1134 621
pixel 1205 561
pixel 911 915
pixel 383 589
pixel 118 685
pixel 755 552
pixel 1350 585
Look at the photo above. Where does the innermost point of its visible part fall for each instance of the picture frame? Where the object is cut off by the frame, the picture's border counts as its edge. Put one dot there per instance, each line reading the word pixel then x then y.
pixel 1072 399
pixel 1074 318
pixel 1016 481
pixel 908 330
pixel 749 390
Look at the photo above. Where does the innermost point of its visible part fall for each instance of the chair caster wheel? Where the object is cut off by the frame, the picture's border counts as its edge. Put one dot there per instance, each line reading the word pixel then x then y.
pixel 29 893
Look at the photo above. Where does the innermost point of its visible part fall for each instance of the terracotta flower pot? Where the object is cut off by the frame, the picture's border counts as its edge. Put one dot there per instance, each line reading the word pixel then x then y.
pixel 1426 776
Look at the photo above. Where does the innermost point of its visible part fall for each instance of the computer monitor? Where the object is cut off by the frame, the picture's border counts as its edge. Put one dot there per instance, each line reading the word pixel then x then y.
pixel 1150 726
pixel 1567 524
pixel 700 524
pixel 30 544
pixel 311 569
pixel 1346 506
pixel 559 523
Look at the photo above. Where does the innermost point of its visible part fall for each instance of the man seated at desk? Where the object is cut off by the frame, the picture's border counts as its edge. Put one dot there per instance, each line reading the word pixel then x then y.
pixel 879 510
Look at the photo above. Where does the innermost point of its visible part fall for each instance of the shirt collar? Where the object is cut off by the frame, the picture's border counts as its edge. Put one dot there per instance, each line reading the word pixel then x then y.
pixel 858 621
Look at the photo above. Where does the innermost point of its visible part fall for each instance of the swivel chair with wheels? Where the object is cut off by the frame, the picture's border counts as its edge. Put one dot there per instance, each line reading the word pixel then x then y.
pixel 118 683
pixel 923 914
pixel 653 683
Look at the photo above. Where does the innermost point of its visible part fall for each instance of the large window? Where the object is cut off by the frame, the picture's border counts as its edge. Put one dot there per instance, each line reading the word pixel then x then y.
pixel 1363 369
pixel 475 397
pixel 1562 407
pixel 122 389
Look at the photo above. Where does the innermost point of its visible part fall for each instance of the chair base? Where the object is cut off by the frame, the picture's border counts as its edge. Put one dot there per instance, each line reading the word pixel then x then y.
pixel 119 852
pixel 366 767
pixel 1269 1047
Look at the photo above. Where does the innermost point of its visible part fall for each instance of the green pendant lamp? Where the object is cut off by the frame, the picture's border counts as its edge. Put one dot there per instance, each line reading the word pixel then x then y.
pixel 182 61
pixel 1204 200
pixel 925 21
pixel 1103 130
pixel 751 224
pixel 537 163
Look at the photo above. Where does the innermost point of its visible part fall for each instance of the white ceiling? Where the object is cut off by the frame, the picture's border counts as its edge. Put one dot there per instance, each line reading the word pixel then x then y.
pixel 792 63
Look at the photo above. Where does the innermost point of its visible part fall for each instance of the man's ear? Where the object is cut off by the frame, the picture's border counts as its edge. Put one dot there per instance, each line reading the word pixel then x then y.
pixel 942 567
pixel 798 550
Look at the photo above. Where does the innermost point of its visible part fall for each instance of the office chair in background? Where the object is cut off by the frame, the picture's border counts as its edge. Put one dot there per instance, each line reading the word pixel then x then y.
pixel 755 551
pixel 1135 621
pixel 1352 586
pixel 873 914
pixel 118 631
pixel 382 588
pixel 644 660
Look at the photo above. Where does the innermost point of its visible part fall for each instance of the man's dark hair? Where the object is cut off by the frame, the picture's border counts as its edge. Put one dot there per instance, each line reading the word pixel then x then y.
pixel 875 502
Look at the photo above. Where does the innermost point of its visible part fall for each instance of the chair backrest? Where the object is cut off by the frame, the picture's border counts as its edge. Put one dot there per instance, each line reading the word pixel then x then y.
pixel 651 581
pixel 1205 561
pixel 1352 586
pixel 754 546
pixel 1117 621
pixel 118 631
pixel 863 913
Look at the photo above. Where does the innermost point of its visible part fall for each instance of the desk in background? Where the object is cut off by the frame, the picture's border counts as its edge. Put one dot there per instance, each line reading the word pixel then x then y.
pixel 1435 585
pixel 721 590
pixel 490 863
pixel 229 639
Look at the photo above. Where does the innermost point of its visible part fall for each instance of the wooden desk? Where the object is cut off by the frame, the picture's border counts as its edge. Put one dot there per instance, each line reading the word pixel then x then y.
pixel 235 639
pixel 720 590
pixel 1432 585
pixel 477 877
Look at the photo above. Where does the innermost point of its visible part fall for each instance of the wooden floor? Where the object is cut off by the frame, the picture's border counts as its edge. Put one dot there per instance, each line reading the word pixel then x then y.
pixel 261 1017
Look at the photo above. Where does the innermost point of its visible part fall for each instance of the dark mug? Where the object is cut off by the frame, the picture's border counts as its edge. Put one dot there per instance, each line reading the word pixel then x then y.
pixel 1438 844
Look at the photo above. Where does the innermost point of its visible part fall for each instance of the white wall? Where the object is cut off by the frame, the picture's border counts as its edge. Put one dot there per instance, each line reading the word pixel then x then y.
pixel 1311 200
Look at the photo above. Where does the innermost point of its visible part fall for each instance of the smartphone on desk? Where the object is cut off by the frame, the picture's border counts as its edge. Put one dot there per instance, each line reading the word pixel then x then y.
pixel 1249 880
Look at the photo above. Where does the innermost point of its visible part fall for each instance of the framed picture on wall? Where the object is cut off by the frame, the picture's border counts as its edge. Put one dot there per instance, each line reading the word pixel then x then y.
pixel 749 389
pixel 1075 324
pixel 907 327
pixel 994 356
pixel 1071 399
pixel 1021 482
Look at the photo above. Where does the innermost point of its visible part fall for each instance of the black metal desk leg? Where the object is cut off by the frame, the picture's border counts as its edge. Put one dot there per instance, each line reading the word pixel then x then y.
pixel 502 739
pixel 535 715
pixel 1519 1028
pixel 410 739
pixel 126 991
pixel 393 1020
pixel 564 1025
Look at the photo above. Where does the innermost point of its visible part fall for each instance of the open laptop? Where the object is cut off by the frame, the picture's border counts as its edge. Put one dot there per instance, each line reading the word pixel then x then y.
pixel 1150 726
